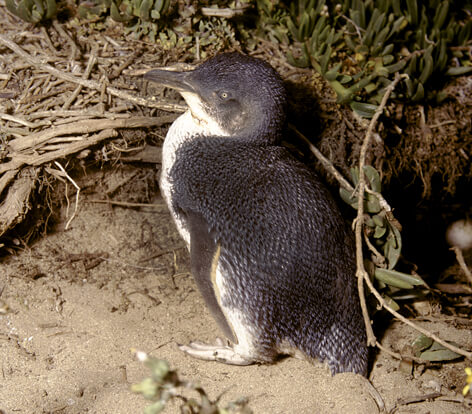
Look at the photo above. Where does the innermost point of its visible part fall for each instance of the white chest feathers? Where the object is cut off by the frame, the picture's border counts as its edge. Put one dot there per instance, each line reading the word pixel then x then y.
pixel 184 129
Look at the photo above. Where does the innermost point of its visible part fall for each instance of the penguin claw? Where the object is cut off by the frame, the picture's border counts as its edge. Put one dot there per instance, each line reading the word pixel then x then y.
pixel 219 352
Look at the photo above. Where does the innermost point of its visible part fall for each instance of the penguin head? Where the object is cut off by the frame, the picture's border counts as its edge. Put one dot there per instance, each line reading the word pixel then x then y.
pixel 232 95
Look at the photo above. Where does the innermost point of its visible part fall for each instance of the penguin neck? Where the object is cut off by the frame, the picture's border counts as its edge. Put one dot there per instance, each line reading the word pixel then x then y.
pixel 183 130
pixel 186 128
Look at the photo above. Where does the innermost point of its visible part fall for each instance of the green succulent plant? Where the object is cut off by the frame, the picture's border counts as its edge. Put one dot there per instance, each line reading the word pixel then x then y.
pixel 188 28
pixel 358 46
pixel 33 11
pixel 384 237
pixel 93 9
pixel 272 21
pixel 164 385
pixel 141 17
pixel 146 10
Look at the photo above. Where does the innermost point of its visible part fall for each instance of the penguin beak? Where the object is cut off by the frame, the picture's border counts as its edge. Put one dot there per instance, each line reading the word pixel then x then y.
pixel 188 87
pixel 171 79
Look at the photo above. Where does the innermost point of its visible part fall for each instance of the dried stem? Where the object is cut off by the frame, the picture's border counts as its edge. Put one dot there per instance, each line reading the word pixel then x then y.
pixel 462 263
pixel 361 273
pixel 91 84
pixel 7 178
pixel 223 13
pixel 88 70
pixel 64 172
pixel 161 207
pixel 86 127
pixel 324 161
pixel 21 159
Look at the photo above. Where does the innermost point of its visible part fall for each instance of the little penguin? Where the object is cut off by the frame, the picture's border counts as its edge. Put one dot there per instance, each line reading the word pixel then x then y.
pixel 269 250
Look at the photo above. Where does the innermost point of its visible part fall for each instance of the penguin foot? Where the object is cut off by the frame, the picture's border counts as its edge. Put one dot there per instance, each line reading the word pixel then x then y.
pixel 218 352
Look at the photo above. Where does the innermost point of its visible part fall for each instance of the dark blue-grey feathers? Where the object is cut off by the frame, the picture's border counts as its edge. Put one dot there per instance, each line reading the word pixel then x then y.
pixel 287 253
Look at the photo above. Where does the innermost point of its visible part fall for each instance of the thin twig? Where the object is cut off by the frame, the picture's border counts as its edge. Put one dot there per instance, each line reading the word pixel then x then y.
pixel 128 204
pixel 48 40
pixel 75 114
pixel 126 63
pixel 121 263
pixel 462 263
pixel 76 194
pixel 226 13
pixel 63 33
pixel 429 334
pixel 356 27
pixel 388 351
pixel 378 256
pixel 17 120
pixel 324 161
pixel 361 273
pixel 88 70
pixel 398 356
pixel 414 400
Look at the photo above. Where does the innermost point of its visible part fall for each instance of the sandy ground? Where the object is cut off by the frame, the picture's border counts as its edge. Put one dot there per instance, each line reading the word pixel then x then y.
pixel 117 279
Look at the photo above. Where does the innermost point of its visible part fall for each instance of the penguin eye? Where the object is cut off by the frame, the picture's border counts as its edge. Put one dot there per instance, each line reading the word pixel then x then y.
pixel 224 95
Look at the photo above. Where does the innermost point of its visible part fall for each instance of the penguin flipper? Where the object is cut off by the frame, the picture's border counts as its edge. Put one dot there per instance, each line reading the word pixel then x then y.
pixel 204 255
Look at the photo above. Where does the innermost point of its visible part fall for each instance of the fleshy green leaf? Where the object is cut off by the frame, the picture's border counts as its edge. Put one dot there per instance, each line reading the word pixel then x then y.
pixel 373 177
pixel 459 70
pixel 348 198
pixel 363 109
pixel 398 279
pixel 379 232
pixel 439 354
pixel 391 303
pixel 393 246
pixel 372 205
pixel 421 343
pixel 379 220
pixel 155 408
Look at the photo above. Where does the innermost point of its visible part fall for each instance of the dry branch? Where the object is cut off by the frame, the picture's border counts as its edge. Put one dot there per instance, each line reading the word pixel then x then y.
pixel 82 127
pixel 88 70
pixel 14 205
pixel 324 161
pixel 46 130
pixel 91 84
pixel 6 179
pixel 361 273
pixel 35 160
pixel 86 127
pixel 462 263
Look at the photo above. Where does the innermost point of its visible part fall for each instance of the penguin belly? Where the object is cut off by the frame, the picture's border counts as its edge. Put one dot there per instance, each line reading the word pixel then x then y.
pixel 245 334
pixel 176 134
pixel 181 131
